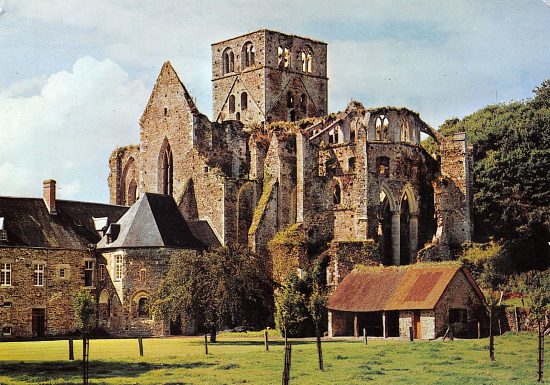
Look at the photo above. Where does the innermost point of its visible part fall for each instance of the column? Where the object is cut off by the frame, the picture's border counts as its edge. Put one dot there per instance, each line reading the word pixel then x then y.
pixel 396 237
pixel 413 235
pixel 355 326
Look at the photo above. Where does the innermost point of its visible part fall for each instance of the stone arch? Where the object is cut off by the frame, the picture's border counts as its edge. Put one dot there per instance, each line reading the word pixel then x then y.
pixel 387 207
pixel 165 169
pixel 412 201
pixel 245 211
pixel 128 174
pixel 104 297
pixel 140 302
pixel 104 305
pixel 187 203
pixel 391 200
pixel 408 225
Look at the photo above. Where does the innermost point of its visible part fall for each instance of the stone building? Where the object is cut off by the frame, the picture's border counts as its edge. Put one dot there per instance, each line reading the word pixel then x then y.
pixel 388 301
pixel 272 157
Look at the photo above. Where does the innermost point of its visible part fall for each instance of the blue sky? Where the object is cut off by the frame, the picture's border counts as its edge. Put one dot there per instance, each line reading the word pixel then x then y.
pixel 75 75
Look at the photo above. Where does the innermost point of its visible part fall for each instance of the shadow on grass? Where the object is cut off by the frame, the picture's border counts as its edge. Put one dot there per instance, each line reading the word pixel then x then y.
pixel 38 372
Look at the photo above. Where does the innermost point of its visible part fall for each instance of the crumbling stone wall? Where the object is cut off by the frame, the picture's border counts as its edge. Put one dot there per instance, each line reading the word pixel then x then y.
pixel 123 174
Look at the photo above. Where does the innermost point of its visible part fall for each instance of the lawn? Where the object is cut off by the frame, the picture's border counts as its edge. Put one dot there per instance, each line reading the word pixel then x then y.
pixel 242 359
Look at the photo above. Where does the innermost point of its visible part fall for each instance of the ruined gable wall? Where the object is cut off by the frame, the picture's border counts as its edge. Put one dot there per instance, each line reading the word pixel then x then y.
pixel 121 171
pixel 453 191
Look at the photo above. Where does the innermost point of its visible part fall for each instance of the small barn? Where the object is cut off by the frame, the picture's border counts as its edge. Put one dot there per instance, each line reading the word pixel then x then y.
pixel 388 301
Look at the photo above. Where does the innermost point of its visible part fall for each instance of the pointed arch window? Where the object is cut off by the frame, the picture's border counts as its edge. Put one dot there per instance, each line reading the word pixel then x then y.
pixel 382 125
pixel 283 57
pixel 336 194
pixel 307 60
pixel 167 171
pixel 248 55
pixel 231 104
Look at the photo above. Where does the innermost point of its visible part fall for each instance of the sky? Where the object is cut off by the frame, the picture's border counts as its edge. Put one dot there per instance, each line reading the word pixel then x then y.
pixel 75 75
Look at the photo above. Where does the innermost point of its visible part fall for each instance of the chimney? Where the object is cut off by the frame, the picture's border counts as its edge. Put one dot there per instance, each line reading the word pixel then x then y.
pixel 49 195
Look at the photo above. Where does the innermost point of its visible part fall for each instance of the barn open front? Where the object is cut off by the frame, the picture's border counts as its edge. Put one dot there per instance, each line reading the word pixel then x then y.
pixel 426 300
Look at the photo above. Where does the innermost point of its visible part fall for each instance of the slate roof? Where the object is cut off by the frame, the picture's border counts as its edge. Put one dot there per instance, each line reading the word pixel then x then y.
pixel 201 230
pixel 29 224
pixel 153 221
pixel 413 287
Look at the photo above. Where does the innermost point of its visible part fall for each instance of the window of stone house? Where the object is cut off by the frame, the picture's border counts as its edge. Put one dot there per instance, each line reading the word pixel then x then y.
pixel 228 61
pixel 143 276
pixel 118 267
pixel 231 104
pixel 5 274
pixel 6 331
pixel 3 235
pixel 89 273
pixel 6 305
pixel 336 194
pixel 165 111
pixel 248 55
pixel 458 316
pixel 351 164
pixel 101 272
pixel 143 308
pixel 38 274
pixel 244 101
pixel 62 272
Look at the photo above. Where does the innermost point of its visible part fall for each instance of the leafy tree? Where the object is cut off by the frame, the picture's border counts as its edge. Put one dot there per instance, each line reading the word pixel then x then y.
pixel 291 310
pixel 224 286
pixel 487 262
pixel 84 311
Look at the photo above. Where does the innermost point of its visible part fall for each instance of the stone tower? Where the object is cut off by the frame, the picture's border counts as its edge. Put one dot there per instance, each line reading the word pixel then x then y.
pixel 267 76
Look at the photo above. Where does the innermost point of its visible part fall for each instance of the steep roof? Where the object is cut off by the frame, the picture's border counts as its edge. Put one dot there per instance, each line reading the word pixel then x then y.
pixel 153 221
pixel 413 287
pixel 29 224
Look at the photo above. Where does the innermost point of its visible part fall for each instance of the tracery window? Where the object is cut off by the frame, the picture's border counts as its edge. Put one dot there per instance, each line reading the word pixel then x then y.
pixel 248 55
pixel 382 125
pixel 167 171
pixel 307 60
pixel 228 61
pixel 283 57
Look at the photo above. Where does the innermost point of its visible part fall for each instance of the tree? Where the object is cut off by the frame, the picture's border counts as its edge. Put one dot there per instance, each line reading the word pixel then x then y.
pixel 291 311
pixel 492 300
pixel 224 286
pixel 535 288
pixel 316 307
pixel 84 310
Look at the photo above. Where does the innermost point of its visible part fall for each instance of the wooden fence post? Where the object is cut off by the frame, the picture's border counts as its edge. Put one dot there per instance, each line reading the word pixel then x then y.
pixel 541 353
pixel 71 350
pixel 478 330
pixel 140 343
pixel 411 335
pixel 206 344
pixel 266 341
pixel 286 369
pixel 365 336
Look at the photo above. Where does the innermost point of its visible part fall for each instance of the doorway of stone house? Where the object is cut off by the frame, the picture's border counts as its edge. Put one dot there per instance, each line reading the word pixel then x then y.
pixel 38 323
pixel 417 327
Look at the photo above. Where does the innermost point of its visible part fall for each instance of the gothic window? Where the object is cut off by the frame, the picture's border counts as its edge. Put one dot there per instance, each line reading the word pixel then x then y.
pixel 231 104
pixel 228 61
pixel 143 276
pixel 248 55
pixel 238 116
pixel 132 189
pixel 289 99
pixel 405 130
pixel 165 111
pixel 167 171
pixel 143 308
pixel 244 101
pixel 335 135
pixel 382 125
pixel 283 57
pixel 303 102
pixel 336 194
pixel 307 60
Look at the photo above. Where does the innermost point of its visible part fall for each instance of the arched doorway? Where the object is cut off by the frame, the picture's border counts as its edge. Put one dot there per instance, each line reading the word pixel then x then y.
pixel 385 227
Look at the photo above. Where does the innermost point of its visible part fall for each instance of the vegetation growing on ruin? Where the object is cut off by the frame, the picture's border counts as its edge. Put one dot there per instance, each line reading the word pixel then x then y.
pixel 262 204
pixel 511 191
pixel 288 250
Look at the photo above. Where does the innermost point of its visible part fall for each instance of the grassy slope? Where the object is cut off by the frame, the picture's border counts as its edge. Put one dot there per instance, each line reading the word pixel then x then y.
pixel 242 359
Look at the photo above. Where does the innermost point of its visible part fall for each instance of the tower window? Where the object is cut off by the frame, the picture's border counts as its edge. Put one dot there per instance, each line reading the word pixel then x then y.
pixel 231 104
pixel 248 55
pixel 89 273
pixel 5 274
pixel 238 116
pixel 283 57
pixel 351 165
pixel 228 61
pixel 244 101
pixel 118 267
pixel 289 99
pixel 336 194
pixel 307 60
pixel 39 274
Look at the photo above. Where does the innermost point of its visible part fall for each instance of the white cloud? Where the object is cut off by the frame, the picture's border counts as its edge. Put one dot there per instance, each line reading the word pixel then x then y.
pixel 67 129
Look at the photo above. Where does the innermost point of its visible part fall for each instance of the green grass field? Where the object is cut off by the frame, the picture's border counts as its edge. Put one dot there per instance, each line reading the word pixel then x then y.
pixel 242 359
